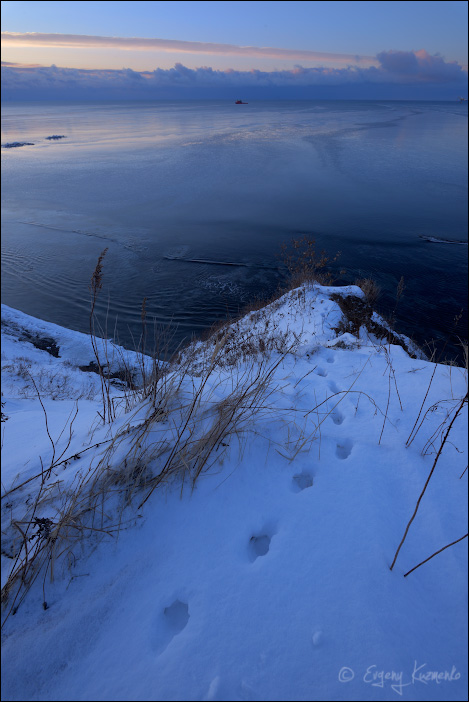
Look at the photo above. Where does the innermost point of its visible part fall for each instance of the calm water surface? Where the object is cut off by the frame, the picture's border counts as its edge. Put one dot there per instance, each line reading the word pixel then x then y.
pixel 177 190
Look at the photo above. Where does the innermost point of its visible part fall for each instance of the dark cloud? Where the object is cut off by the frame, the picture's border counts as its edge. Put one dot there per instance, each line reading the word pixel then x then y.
pixel 420 66
pixel 401 62
pixel 396 69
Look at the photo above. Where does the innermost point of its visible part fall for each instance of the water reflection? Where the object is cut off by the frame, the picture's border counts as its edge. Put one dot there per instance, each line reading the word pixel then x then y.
pixel 223 185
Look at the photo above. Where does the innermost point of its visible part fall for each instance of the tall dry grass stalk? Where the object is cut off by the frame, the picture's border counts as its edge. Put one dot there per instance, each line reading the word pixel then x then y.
pixel 445 438
pixel 96 285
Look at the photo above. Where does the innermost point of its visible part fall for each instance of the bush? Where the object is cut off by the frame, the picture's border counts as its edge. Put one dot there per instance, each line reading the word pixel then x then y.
pixel 370 288
pixel 304 264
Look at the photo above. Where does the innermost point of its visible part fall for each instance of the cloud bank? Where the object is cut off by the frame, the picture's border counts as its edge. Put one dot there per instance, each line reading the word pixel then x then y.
pixel 83 41
pixel 397 75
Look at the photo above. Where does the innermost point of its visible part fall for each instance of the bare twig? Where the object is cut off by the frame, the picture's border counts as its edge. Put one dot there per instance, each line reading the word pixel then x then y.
pixel 435 554
pixel 409 440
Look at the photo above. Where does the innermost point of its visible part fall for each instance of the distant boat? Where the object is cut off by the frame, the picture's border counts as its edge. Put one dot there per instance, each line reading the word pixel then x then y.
pixel 461 99
pixel 240 102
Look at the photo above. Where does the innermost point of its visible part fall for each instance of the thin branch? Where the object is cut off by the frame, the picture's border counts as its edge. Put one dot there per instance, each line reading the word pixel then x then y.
pixel 408 442
pixel 435 554
pixel 45 417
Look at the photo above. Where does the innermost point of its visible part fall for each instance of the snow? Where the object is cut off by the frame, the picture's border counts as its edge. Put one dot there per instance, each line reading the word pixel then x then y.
pixel 269 576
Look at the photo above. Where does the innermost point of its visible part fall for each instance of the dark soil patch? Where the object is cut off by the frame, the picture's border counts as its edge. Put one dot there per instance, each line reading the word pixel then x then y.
pixel 44 343
pixel 123 375
pixel 358 313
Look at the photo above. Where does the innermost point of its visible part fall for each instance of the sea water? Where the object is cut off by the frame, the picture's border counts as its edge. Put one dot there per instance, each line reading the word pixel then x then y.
pixel 193 200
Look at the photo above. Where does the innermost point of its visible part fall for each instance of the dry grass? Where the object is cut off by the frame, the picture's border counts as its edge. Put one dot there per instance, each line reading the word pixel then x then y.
pixel 177 427
pixel 180 422
pixel 370 288
pixel 306 265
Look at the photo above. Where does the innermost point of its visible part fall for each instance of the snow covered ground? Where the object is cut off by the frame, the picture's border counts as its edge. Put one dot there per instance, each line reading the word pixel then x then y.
pixel 261 490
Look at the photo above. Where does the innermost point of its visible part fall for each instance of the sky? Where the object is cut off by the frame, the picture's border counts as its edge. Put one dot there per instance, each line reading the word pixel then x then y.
pixel 207 49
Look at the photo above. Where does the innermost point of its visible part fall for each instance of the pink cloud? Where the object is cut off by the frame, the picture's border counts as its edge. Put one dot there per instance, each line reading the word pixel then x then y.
pixel 83 41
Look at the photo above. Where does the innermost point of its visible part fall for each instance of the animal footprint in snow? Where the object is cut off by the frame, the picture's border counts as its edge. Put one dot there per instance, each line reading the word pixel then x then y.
pixel 317 637
pixel 171 622
pixel 177 615
pixel 259 546
pixel 337 417
pixel 301 481
pixel 344 449
pixel 320 371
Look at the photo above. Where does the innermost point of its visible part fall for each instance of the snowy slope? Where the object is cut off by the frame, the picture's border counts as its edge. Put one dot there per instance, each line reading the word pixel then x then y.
pixel 267 576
